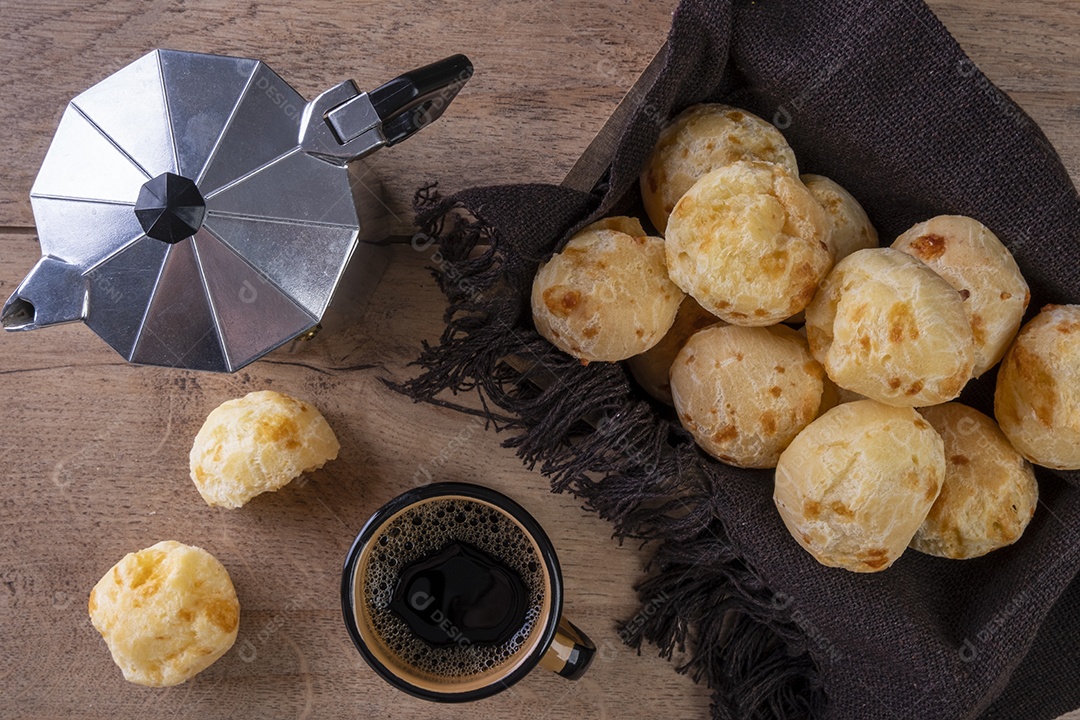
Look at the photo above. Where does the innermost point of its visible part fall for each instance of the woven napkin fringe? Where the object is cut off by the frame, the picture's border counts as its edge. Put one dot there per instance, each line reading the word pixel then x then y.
pixel 701 599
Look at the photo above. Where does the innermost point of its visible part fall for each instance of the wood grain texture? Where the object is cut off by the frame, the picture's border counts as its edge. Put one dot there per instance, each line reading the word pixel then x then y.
pixel 93 461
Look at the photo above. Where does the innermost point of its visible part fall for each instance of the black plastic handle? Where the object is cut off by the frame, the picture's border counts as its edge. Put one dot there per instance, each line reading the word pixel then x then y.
pixel 417 98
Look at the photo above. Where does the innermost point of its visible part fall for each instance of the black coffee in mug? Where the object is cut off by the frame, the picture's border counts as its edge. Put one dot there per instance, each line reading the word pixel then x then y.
pixel 453 592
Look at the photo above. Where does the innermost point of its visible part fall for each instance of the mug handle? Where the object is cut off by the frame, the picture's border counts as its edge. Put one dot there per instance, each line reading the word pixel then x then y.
pixel 570 652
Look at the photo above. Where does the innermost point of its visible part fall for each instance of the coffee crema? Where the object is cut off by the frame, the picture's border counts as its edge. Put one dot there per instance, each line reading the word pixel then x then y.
pixel 451 594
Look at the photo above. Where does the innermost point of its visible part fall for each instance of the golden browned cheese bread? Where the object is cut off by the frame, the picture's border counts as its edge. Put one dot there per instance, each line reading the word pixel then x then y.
pixel 851 228
pixel 701 139
pixel 606 296
pixel 166 613
pixel 972 259
pixel 744 393
pixel 749 243
pixel 652 368
pixel 258 443
pixel 886 326
pixel 989 493
pixel 855 485
pixel 1037 401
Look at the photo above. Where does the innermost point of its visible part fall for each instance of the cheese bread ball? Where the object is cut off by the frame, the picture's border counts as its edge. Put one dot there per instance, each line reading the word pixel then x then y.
pixel 972 259
pixel 258 443
pixel 606 296
pixel 886 326
pixel 1037 401
pixel 851 228
pixel 749 243
pixel 652 368
pixel 701 139
pixel 166 613
pixel 745 393
pixel 855 485
pixel 989 493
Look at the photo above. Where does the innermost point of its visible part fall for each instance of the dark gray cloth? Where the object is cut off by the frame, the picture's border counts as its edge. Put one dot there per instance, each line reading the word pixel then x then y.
pixel 876 95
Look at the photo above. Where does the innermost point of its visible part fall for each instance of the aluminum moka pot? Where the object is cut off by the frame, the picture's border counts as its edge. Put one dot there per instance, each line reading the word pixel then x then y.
pixel 196 212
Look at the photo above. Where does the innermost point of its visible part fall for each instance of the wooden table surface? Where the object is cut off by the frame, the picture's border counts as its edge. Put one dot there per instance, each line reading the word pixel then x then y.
pixel 94 451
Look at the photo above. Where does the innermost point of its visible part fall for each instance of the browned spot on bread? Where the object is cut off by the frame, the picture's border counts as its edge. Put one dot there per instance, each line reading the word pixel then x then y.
pixel 759 313
pixel 278 429
pixel 1006 296
pixel 780 369
pixel 864 342
pixel 591 332
pixel 965 293
pixel 921 424
pixel 775 391
pixel 842 510
pixel 811 510
pixel 768 422
pixel 959 460
pixel 1039 381
pixel 932 489
pixel 735 116
pixel 951 387
pixel 725 434
pixel 639 332
pixel 978 328
pixel 1067 327
pixel 739 356
pixel 561 301
pixel 895 383
pixel 691 360
pixel 723 304
pixel 223 614
pixel 576 254
pixel 809 288
pixel 928 247
pixel 640 240
pixel 915 388
pixel 874 562
pixel 901 323
pixel 775 263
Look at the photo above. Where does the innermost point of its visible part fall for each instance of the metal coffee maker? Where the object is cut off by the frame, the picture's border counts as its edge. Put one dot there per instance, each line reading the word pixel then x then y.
pixel 196 212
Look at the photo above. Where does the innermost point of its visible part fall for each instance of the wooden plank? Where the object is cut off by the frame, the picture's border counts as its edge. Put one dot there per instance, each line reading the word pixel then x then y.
pixel 95 466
